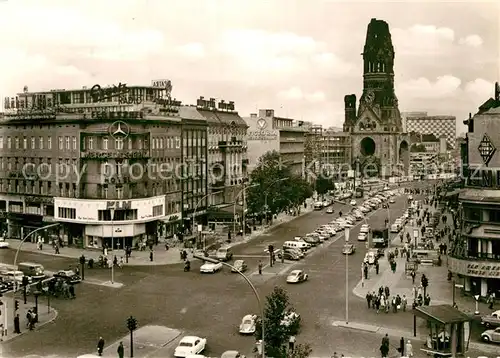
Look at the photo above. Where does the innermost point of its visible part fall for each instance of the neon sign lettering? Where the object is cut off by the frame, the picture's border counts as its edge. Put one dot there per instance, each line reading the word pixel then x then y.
pixel 100 94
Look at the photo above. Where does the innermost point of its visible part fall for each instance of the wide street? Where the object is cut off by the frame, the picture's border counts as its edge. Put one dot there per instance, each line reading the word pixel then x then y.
pixel 212 305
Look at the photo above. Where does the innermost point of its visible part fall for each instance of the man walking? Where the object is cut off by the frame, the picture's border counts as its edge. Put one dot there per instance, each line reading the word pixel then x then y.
pixel 120 350
pixel 260 267
pixel 291 343
pixel 17 329
pixel 100 346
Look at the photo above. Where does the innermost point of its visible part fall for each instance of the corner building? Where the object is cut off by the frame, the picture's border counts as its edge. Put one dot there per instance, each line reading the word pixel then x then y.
pixel 379 145
pixel 102 164
pixel 475 253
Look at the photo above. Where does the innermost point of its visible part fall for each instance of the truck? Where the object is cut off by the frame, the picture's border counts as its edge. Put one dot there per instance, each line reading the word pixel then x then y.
pixel 380 237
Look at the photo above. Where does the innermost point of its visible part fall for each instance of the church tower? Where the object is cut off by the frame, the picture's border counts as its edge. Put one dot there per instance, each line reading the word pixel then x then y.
pixel 376 130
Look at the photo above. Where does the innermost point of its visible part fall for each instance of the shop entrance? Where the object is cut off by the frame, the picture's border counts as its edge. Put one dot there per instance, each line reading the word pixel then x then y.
pixel 117 243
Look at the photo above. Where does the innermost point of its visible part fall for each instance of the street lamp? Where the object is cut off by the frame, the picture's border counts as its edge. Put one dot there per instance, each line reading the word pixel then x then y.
pixel 112 244
pixel 243 190
pixel 266 193
pixel 259 302
pixel 196 208
pixel 28 235
pixel 346 234
pixel 36 294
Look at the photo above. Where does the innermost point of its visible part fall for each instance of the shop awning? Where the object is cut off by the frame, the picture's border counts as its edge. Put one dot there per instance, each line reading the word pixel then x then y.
pixel 443 314
pixel 224 212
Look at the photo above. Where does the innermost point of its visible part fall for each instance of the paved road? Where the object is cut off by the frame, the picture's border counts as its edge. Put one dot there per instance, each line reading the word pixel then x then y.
pixel 211 305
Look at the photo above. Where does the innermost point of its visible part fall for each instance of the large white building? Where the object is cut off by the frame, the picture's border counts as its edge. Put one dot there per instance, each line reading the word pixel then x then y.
pixel 438 125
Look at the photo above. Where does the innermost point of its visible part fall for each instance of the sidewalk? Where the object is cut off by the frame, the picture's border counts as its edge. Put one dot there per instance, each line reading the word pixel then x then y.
pixel 45 315
pixel 149 341
pixel 160 255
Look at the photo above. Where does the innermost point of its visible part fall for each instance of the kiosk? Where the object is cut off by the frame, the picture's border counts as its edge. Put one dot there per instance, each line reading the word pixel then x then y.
pixel 449 330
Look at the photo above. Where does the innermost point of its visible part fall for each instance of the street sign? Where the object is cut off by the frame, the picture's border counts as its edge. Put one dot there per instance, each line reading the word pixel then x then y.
pixel 200 228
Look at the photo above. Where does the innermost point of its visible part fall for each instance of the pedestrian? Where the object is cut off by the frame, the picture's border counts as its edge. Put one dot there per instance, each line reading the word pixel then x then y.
pixel 120 350
pixel 56 247
pixel 100 346
pixel 491 300
pixel 409 349
pixel 260 267
pixel 413 274
pixel 72 291
pixel 115 261
pixel 384 350
pixel 151 255
pixel 17 328
pixel 291 343
pixel 404 303
pixel 28 319
pixel 369 299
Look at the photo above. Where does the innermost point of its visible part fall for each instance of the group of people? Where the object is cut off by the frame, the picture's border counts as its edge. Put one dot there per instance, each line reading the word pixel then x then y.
pixel 405 347
pixel 382 300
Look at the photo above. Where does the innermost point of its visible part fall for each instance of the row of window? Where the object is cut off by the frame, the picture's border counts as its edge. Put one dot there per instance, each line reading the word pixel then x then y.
pixel 166 143
pixel 118 215
pixel 39 188
pixel 31 143
pixel 484 215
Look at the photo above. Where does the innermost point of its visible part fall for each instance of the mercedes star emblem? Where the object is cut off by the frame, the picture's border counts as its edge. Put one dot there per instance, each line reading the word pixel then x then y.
pixel 119 129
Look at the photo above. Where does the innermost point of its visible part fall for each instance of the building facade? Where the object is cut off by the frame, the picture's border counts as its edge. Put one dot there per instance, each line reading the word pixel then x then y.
pixel 312 150
pixel 266 132
pixel 379 145
pixel 440 126
pixel 105 163
pixel 336 150
pixel 475 253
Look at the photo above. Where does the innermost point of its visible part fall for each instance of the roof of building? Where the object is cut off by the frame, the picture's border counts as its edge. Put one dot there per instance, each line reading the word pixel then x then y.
pixel 480 195
pixel 443 314
pixel 430 118
pixel 190 112
pixel 224 118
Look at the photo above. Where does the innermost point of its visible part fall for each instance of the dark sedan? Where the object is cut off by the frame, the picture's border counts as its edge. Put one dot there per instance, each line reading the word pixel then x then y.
pixel 68 275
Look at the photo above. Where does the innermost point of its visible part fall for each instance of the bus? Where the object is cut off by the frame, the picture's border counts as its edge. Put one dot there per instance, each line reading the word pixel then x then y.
pixel 380 237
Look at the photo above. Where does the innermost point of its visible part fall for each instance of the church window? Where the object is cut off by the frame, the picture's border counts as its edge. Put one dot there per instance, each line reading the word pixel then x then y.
pixel 374 125
pixel 361 126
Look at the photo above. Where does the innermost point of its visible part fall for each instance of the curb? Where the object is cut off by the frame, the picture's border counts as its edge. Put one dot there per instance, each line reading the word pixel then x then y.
pixel 166 344
pixel 37 328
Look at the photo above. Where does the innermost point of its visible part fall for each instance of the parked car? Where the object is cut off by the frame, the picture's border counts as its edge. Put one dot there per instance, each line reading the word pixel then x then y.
pixel 6 286
pixel 68 275
pixel 362 236
pixel 296 276
pixel 232 354
pixel 491 335
pixel 210 267
pixel 190 345
pixel 292 256
pixel 239 265
pixel 352 202
pixel 365 228
pixel 348 249
pixel 247 325
pixel 312 239
pixel 491 320
pixel 329 211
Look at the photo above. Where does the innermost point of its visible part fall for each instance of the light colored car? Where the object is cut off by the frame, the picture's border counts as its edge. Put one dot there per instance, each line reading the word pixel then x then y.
pixel 247 325
pixel 15 276
pixel 352 202
pixel 394 228
pixel 392 201
pixel 190 345
pixel 348 249
pixel 370 258
pixel 239 265
pixel 3 244
pixel 210 267
pixel 491 335
pixel 68 275
pixel 365 208
pixel 329 211
pixel 365 228
pixel 232 354
pixel 362 236
pixel 296 276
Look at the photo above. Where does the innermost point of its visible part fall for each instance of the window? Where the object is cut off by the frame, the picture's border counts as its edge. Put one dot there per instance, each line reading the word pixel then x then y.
pixel 9 142
pixel 105 192
pixel 105 144
pixel 61 144
pixel 91 143
pixel 49 143
pixel 40 142
pixel 67 213
pixel 67 144
pixel 129 143
pixel 153 143
pixel 17 143
pixel 177 142
pixel 74 143
pixel 139 144
pixel 33 140
pixel 119 193
pixel 1 142
pixel 119 143
pixel 158 210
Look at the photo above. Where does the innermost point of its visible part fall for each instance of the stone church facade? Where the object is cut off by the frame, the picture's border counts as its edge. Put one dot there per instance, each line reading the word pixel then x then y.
pixel 379 146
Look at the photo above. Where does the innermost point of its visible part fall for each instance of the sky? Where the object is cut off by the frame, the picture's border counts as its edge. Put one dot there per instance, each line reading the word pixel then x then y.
pixel 295 56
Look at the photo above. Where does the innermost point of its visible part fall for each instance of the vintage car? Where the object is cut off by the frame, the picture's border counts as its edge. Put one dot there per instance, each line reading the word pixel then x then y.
pixel 492 320
pixel 232 354
pixel 3 244
pixel 210 267
pixel 289 318
pixel 362 236
pixel 247 325
pixel 348 249
pixel 365 228
pixel 16 276
pixel 491 335
pixel 296 276
pixel 68 275
pixel 370 258
pixel 239 265
pixel 190 345
pixel 329 211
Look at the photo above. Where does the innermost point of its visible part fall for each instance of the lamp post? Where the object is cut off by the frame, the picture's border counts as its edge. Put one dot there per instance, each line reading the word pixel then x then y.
pixel 346 233
pixel 36 294
pixel 476 312
pixel 256 293
pixel 266 193
pixel 28 235
pixel 356 163
pixel 196 208
pixel 243 190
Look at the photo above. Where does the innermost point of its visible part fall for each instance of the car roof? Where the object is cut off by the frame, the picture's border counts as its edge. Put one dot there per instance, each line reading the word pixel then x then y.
pixel 248 316
pixel 66 271
pixel 238 261
pixel 295 272
pixel 189 338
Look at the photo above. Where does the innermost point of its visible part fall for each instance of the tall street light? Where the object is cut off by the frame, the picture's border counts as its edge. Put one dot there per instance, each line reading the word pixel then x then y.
pixel 243 221
pixel 28 235
pixel 196 209
pixel 256 293
pixel 346 234
pixel 112 211
pixel 267 192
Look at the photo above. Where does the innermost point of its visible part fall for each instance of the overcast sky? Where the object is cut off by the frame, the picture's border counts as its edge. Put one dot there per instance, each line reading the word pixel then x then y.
pixel 299 57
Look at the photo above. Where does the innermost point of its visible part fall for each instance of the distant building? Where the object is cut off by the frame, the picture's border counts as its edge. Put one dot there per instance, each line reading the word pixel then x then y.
pixel 313 149
pixel 336 150
pixel 438 125
pixel 266 132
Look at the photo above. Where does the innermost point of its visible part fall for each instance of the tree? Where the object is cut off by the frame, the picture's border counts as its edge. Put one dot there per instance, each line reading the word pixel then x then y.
pixel 323 185
pixel 274 184
pixel 277 333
